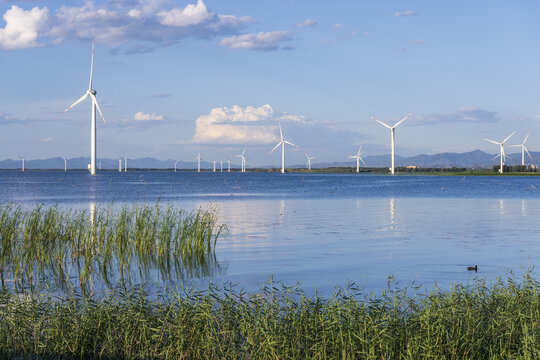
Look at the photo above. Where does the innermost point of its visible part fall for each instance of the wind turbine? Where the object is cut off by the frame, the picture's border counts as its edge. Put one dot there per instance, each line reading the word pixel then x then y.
pixel 120 164
pixel 358 158
pixel 282 142
pixel 92 93
pixel 309 160
pixel 125 162
pixel 523 150
pixel 214 165
pixel 65 164
pixel 502 154
pixel 176 162
pixel 393 137
pixel 198 158
pixel 221 165
pixel 243 160
pixel 22 158
pixel 228 165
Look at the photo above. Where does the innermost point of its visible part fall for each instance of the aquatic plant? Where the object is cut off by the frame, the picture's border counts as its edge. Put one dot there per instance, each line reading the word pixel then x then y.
pixel 52 246
pixel 474 321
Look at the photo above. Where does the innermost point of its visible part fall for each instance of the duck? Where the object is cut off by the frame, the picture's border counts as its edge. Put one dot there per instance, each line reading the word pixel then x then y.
pixel 473 268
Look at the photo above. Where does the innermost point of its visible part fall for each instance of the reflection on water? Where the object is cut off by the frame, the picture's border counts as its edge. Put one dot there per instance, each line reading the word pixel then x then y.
pixel 326 230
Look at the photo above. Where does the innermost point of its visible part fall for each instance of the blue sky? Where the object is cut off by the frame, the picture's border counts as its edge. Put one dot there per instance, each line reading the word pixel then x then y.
pixel 176 77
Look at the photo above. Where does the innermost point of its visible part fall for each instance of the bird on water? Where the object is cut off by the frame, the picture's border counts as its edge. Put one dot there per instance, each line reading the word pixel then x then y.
pixel 473 268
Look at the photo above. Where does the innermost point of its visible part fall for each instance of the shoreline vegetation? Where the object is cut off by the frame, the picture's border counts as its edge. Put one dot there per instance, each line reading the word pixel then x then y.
pixel 500 320
pixel 74 250
pixel 517 170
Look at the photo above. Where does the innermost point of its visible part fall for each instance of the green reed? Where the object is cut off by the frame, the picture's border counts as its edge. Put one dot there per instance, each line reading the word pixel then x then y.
pixel 51 245
pixel 499 321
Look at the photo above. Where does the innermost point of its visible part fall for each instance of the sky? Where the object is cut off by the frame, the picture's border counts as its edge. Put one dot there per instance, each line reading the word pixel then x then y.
pixel 179 77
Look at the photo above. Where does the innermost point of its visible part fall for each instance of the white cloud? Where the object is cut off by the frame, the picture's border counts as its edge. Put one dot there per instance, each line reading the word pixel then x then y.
pixel 405 13
pixel 22 27
pixel 307 22
pixel 463 115
pixel 141 116
pixel 337 26
pixel 47 139
pixel 190 15
pixel 418 42
pixel 257 41
pixel 129 26
pixel 241 125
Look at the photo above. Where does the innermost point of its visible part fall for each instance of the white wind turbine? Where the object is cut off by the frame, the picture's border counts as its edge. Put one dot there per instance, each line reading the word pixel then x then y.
pixel 125 162
pixel 282 142
pixel 176 162
pixel 524 150
pixel 221 165
pixel 309 160
pixel 119 164
pixel 65 164
pixel 214 165
pixel 243 158
pixel 22 158
pixel 358 158
pixel 502 154
pixel 198 158
pixel 92 93
pixel 228 165
pixel 393 137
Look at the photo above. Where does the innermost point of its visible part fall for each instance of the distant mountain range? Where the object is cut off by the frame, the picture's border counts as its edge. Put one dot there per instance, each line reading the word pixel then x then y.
pixel 472 159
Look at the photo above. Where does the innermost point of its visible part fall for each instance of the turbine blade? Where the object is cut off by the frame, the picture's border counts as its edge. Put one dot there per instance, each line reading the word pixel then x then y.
pixel 290 143
pixel 491 141
pixel 380 122
pixel 78 101
pixel 91 67
pixel 359 151
pixel 514 145
pixel 527 151
pixel 362 160
pixel 526 137
pixel 509 136
pixel 279 143
pixel 244 152
pixel 402 120
pixel 97 106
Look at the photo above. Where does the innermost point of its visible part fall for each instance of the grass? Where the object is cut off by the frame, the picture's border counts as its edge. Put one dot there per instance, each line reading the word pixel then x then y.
pixel 50 246
pixel 499 321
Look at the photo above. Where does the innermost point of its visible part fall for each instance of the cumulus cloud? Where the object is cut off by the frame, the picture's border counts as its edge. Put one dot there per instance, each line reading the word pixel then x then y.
pixel 241 125
pixel 257 41
pixel 141 116
pixel 130 26
pixel 463 115
pixel 307 22
pixel 23 27
pixel 190 15
pixel 405 13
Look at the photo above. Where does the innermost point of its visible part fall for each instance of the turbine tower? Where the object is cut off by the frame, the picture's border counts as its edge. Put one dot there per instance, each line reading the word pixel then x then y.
pixel 243 166
pixel 393 137
pixel 502 154
pixel 125 162
pixel 22 158
pixel 176 162
pixel 228 165
pixel 92 93
pixel 198 158
pixel 524 150
pixel 358 158
pixel 65 164
pixel 282 142
pixel 214 165
pixel 119 164
pixel 309 160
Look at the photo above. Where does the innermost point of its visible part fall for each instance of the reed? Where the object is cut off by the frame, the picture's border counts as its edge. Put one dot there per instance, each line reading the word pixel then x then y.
pixel 51 246
pixel 499 321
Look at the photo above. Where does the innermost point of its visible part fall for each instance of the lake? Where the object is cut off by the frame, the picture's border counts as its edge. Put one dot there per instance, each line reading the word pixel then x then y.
pixel 326 230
